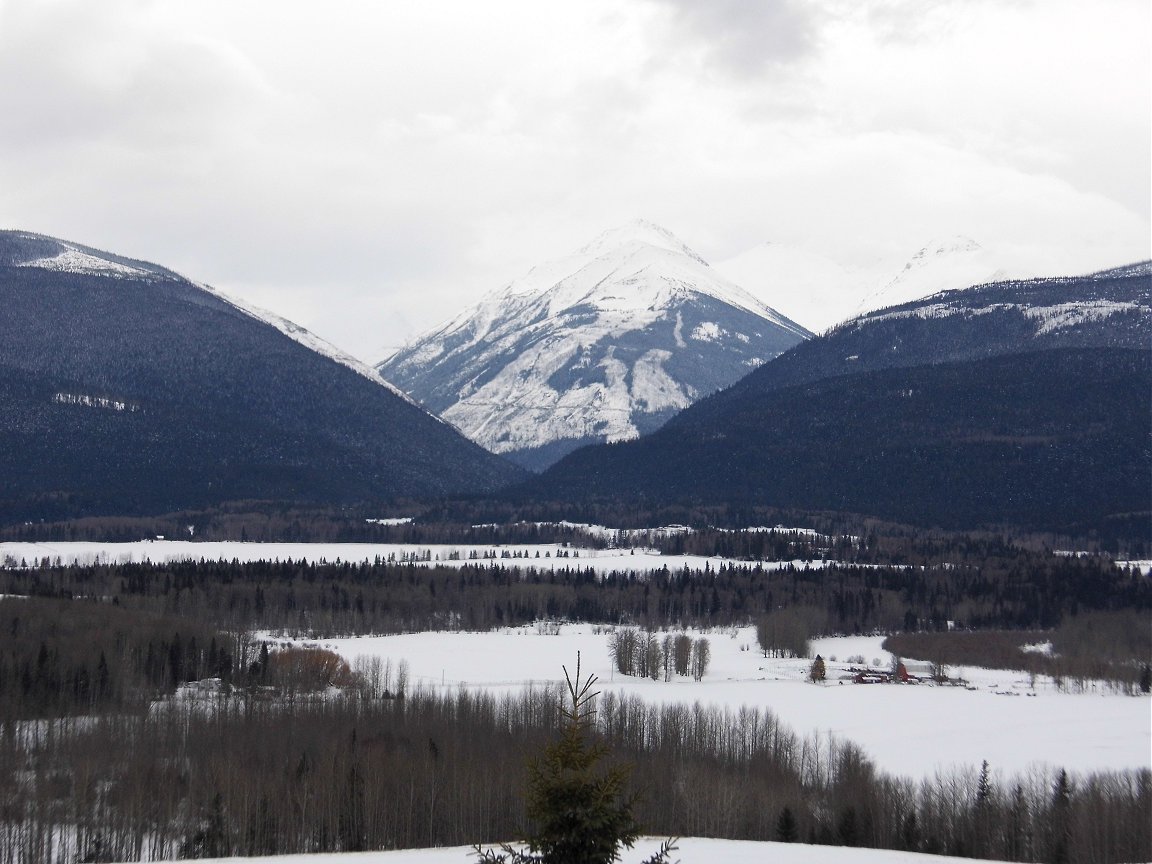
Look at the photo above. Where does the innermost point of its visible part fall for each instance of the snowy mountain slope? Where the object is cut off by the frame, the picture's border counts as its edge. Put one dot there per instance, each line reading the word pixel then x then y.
pixel 1113 306
pixel 820 292
pixel 602 345
pixel 25 249
pixel 942 265
pixel 1139 268
pixel 309 340
pixel 127 389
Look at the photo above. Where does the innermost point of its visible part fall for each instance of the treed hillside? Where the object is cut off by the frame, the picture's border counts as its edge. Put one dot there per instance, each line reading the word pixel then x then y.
pixel 1054 439
pixel 1112 309
pixel 127 389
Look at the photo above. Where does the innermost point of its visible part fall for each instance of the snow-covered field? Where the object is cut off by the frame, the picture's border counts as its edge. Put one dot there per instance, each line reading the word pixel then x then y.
pixel 908 730
pixel 690 850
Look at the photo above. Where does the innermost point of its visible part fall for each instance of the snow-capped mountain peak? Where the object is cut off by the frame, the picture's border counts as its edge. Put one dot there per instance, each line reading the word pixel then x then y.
pixel 638 232
pixel 603 344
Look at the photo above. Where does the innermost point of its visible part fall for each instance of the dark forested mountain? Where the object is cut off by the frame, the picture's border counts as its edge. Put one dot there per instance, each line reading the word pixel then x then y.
pixel 1051 439
pixel 1017 402
pixel 125 388
pixel 1109 309
pixel 604 344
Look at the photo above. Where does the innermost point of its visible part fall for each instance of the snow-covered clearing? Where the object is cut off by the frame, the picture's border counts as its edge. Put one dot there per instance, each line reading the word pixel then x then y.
pixel 908 730
pixel 690 850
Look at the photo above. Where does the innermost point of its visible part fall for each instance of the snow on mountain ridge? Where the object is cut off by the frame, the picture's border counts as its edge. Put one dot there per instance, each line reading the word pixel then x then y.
pixel 62 256
pixel 1052 304
pixel 946 264
pixel 578 278
pixel 309 340
pixel 72 260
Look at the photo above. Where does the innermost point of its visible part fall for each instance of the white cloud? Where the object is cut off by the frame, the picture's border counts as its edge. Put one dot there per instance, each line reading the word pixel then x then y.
pixel 369 171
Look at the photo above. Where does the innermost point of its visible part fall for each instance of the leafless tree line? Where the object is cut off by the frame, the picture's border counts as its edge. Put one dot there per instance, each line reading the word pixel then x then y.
pixel 310 771
pixel 647 654
pixel 1108 649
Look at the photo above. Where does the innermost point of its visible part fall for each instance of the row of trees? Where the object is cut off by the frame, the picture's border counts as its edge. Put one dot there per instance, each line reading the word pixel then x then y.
pixel 716 529
pixel 787 632
pixel 1023 591
pixel 1113 648
pixel 648 655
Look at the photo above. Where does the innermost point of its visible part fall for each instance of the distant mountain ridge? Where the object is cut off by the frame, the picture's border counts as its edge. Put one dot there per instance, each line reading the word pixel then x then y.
pixel 601 345
pixel 1109 309
pixel 127 389
pixel 1021 403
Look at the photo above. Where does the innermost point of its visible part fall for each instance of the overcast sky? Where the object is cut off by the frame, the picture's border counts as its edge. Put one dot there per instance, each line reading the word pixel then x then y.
pixel 368 168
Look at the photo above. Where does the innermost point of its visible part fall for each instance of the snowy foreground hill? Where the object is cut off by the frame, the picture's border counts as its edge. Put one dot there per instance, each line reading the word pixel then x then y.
pixel 602 345
pixel 690 850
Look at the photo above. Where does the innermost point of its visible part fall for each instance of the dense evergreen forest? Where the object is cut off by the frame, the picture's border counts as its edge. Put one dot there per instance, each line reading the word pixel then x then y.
pixel 1014 590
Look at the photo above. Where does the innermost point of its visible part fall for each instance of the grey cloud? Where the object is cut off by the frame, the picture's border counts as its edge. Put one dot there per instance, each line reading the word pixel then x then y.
pixel 748 38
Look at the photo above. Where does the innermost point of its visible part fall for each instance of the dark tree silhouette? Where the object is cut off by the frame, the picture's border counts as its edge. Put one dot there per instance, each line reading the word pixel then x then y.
pixel 786 830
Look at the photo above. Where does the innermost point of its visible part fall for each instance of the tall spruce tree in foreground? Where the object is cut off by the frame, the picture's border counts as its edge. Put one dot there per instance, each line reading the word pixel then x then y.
pixel 579 808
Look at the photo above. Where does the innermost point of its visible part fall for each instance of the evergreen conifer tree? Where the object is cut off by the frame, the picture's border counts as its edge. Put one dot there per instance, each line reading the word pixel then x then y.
pixel 581 812
pixel 786 830
pixel 818 670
